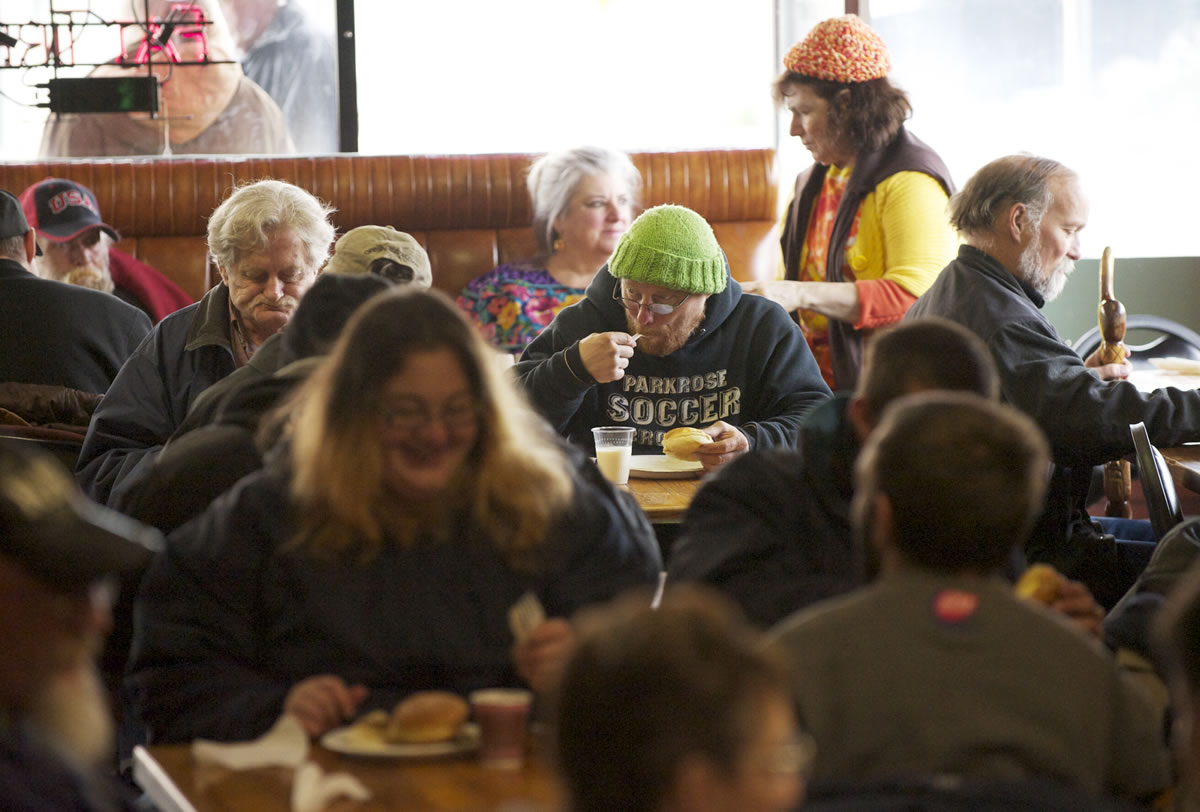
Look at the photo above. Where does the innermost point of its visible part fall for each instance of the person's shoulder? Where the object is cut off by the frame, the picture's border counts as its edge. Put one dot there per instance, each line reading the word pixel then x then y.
pixel 908 183
pixel 178 322
pixel 88 301
pixel 521 271
pixel 772 465
pixel 837 615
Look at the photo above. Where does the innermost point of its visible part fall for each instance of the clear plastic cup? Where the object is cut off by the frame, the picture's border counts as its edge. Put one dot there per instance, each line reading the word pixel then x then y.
pixel 614 447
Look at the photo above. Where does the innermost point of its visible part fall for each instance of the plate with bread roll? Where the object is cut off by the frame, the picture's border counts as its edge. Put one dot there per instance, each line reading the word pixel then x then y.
pixel 678 460
pixel 426 724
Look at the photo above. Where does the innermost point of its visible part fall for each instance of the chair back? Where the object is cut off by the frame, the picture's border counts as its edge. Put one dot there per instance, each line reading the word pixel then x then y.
pixel 1164 338
pixel 1157 485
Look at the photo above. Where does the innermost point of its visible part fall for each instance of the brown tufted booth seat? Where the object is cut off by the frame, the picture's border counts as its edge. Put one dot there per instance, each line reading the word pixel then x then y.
pixel 471 212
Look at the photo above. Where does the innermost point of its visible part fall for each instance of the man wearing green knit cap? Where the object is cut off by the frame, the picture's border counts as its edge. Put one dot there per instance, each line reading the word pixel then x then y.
pixel 663 339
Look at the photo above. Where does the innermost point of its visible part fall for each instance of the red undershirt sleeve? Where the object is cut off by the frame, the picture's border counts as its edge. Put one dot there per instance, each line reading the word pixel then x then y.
pixel 882 302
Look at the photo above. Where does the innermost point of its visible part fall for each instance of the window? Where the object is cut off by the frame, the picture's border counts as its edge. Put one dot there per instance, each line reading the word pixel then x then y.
pixel 532 75
pixel 287 49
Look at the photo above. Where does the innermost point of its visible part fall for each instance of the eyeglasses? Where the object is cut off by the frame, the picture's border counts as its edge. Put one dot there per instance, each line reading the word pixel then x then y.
pixel 657 308
pixel 414 415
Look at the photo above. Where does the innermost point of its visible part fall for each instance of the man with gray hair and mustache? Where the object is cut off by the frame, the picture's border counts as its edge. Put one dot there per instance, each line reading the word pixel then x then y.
pixel 1020 218
pixel 268 240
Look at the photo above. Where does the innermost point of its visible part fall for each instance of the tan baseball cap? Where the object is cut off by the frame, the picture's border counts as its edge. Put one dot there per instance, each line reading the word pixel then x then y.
pixel 379 249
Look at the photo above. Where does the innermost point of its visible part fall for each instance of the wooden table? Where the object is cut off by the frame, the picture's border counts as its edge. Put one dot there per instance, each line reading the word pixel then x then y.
pixel 1147 379
pixel 664 500
pixel 1184 462
pixel 177 784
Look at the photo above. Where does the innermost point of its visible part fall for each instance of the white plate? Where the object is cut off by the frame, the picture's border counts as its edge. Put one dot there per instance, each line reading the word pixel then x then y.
pixel 660 466
pixel 359 741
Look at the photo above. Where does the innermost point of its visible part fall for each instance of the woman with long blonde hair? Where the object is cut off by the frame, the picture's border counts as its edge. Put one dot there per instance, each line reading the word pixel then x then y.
pixel 415 499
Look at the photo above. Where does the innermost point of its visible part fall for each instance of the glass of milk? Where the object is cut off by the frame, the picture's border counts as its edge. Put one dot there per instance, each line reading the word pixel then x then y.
pixel 614 446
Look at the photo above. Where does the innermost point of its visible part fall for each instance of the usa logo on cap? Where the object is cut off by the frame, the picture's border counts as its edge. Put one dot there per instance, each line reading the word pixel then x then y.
pixel 72 197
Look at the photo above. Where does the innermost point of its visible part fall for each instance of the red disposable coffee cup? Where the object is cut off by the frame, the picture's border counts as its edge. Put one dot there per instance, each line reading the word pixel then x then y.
pixel 503 718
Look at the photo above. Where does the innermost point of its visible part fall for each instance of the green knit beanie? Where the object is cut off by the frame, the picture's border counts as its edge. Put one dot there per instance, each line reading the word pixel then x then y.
pixel 673 247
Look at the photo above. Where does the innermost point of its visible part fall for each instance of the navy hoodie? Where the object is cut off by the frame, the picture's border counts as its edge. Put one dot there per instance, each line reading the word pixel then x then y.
pixel 748 364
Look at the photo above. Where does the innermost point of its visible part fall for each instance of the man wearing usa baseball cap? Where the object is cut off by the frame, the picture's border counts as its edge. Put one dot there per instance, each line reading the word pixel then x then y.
pixel 664 339
pixel 55 335
pixel 58 552
pixel 75 246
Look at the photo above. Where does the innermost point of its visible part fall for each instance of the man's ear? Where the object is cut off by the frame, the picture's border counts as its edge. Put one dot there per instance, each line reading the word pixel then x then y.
pixel 882 525
pixel 1016 221
pixel 223 273
pixel 859 416
pixel 30 247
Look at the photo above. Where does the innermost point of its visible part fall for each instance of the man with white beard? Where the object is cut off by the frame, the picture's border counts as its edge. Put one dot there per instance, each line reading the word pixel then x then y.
pixel 58 553
pixel 1020 218
pixel 76 246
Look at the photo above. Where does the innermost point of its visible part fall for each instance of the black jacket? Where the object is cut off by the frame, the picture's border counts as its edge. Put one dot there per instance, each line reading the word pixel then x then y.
pixel 1085 419
pixel 771 529
pixel 56 334
pixel 186 353
pixel 230 617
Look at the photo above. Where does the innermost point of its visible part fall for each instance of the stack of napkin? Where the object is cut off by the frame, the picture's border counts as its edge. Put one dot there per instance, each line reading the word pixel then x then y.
pixel 284 745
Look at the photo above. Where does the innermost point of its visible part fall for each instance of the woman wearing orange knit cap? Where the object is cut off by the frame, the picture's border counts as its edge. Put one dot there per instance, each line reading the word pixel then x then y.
pixel 866 232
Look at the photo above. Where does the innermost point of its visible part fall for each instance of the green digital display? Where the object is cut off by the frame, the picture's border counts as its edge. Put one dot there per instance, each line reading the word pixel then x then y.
pixel 110 94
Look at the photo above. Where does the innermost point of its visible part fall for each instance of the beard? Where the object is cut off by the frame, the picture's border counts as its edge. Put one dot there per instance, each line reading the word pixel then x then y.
pixel 1048 282
pixel 89 276
pixel 95 276
pixel 667 337
pixel 71 712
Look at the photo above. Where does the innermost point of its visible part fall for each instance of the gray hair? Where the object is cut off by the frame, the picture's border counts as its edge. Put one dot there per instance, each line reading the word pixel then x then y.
pixel 554 176
pixel 243 224
pixel 1006 181
pixel 13 248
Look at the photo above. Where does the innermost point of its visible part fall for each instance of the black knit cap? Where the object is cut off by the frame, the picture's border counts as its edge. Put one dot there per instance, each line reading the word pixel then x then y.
pixel 324 310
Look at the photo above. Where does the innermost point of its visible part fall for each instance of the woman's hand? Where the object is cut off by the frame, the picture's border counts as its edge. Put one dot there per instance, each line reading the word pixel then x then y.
pixel 728 442
pixel 787 293
pixel 323 702
pixel 540 657
pixel 605 355
pixel 834 300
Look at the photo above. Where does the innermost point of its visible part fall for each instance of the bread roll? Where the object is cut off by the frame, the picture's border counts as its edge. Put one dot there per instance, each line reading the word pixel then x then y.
pixel 427 716
pixel 681 443
pixel 1041 583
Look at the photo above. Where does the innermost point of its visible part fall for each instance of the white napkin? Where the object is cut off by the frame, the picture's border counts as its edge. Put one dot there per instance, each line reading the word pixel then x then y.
pixel 284 745
pixel 312 789
pixel 1185 366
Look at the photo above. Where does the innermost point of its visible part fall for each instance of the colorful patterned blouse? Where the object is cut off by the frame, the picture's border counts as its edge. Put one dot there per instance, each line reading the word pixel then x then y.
pixel 812 268
pixel 511 304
